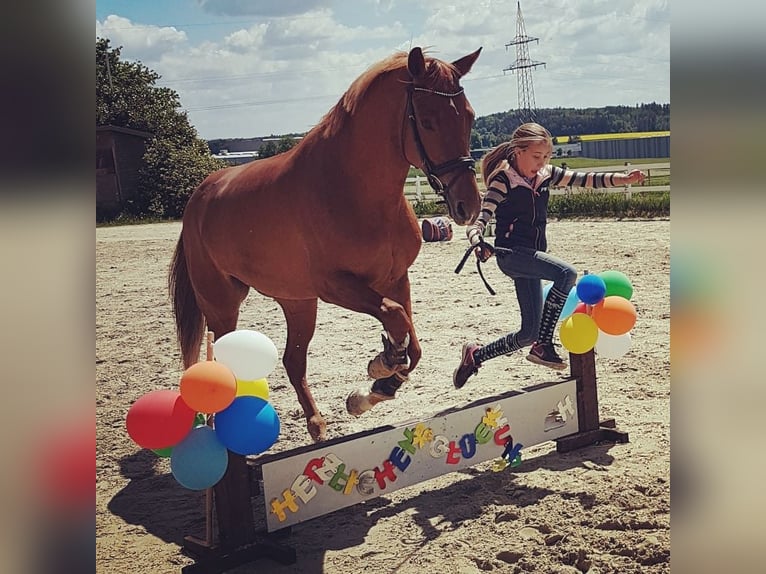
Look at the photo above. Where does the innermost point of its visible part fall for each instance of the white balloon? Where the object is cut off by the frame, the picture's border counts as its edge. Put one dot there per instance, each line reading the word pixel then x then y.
pixel 251 355
pixel 612 346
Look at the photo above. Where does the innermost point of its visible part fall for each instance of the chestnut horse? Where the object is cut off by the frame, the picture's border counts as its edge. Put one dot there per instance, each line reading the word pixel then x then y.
pixel 328 220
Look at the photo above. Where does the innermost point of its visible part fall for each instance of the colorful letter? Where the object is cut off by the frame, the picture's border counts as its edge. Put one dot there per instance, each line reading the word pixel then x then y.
pixel 407 443
pixel 501 435
pixel 303 488
pixel 483 433
pixel 386 473
pixel 452 453
pixel 400 458
pixel 352 480
pixel 366 486
pixel 278 507
pixel 310 470
pixel 468 445
pixel 330 466
pixel 334 484
pixel 439 446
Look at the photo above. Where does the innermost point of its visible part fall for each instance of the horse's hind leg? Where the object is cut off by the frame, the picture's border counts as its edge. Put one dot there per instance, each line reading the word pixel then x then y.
pixel 301 319
pixel 219 297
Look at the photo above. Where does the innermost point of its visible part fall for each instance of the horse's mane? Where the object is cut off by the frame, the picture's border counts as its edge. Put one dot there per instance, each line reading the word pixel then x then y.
pixel 439 76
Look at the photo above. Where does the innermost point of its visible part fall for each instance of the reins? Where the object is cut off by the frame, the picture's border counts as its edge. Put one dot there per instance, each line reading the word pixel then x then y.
pixel 471 248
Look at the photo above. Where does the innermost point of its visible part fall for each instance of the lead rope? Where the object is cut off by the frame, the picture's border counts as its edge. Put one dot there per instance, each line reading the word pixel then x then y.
pixel 471 248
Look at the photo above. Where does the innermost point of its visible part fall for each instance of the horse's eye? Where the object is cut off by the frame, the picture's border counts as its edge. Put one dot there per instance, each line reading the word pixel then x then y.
pixel 427 124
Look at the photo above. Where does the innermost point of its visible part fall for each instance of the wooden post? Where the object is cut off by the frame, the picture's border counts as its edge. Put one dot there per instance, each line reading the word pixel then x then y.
pixel 592 429
pixel 231 497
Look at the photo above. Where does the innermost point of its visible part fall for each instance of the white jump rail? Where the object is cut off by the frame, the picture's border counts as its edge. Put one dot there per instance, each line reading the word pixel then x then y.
pixel 417 188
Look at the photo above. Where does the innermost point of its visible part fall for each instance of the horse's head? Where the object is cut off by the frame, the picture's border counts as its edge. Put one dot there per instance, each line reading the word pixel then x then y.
pixel 439 120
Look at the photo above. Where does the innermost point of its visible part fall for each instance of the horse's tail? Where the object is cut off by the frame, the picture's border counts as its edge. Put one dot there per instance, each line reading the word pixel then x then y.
pixel 190 323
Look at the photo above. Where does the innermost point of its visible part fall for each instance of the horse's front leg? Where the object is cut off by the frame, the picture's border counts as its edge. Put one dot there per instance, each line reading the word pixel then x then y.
pixel 301 321
pixel 394 357
pixel 391 367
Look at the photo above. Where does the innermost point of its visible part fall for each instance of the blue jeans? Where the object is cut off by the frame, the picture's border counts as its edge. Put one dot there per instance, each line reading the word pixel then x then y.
pixel 528 268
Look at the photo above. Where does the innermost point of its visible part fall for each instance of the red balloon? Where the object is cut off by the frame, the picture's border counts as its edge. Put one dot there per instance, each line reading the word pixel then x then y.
pixel 159 419
pixel 581 308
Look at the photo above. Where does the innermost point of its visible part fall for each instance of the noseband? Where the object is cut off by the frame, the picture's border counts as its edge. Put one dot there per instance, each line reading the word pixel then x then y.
pixel 434 172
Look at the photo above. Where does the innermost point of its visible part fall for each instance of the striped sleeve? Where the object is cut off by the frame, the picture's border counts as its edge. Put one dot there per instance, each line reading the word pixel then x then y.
pixel 562 178
pixel 496 194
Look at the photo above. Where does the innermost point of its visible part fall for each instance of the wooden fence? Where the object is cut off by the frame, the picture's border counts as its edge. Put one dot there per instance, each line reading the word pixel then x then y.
pixel 417 188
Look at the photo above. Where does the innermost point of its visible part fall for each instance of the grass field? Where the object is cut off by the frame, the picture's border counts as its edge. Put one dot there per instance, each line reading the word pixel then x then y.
pixel 620 136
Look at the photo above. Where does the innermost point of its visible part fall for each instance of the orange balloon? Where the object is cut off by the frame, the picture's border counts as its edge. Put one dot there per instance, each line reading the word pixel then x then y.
pixel 208 386
pixel 614 315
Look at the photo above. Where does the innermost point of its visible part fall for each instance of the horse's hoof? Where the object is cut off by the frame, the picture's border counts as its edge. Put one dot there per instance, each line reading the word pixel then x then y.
pixel 317 429
pixel 357 403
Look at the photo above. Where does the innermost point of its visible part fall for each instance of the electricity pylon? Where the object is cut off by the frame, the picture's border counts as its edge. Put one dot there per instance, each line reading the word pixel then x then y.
pixel 527 111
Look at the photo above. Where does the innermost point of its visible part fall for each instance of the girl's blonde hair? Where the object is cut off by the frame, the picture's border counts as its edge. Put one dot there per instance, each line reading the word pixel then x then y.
pixel 522 137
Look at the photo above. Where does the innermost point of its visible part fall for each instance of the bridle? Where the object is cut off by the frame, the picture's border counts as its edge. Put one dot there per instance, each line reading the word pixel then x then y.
pixel 434 172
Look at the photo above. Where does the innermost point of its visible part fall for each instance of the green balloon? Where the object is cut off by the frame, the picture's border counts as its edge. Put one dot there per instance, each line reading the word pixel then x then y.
pixel 617 284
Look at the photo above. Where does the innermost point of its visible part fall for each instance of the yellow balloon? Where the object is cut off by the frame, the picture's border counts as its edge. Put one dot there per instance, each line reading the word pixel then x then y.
pixel 578 333
pixel 257 388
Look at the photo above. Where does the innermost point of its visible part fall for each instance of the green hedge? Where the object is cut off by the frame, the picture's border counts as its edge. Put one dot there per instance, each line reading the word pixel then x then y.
pixel 617 205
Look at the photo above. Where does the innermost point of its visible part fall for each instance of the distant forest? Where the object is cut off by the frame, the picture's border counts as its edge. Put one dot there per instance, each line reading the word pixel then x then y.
pixel 488 131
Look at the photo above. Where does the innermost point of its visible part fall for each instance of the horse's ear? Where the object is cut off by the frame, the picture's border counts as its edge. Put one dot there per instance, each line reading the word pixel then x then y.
pixel 464 64
pixel 416 63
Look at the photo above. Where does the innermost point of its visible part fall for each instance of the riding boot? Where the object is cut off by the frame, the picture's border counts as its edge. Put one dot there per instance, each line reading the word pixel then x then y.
pixel 502 346
pixel 554 304
pixel 393 358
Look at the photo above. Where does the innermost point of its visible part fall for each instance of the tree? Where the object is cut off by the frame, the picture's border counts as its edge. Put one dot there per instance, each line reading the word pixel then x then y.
pixel 176 159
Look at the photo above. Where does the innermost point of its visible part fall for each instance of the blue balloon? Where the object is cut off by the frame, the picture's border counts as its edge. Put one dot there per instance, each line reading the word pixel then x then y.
pixel 569 305
pixel 200 460
pixel 591 289
pixel 249 425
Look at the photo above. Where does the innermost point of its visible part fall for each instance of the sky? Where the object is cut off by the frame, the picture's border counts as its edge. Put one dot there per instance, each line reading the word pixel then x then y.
pixel 250 68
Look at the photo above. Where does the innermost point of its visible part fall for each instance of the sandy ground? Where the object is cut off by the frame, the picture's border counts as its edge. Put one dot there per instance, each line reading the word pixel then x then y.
pixel 603 508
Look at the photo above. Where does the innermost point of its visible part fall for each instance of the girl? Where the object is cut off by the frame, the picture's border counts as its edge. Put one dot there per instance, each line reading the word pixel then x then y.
pixel 518 176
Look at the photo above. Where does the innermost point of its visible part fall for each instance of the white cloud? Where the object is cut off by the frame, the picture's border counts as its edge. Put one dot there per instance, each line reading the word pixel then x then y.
pixel 261 8
pixel 281 75
pixel 140 42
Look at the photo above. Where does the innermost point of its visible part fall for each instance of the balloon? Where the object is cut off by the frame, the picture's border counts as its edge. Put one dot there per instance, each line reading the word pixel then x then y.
pixel 250 354
pixel 163 452
pixel 614 315
pixel 200 460
pixel 617 284
pixel 167 451
pixel 259 388
pixel 582 308
pixel 578 333
pixel 612 346
pixel 249 425
pixel 159 419
pixel 208 386
pixel 591 289
pixel 569 305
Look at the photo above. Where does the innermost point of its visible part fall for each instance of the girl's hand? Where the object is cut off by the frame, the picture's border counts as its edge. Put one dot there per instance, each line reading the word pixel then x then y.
pixel 484 251
pixel 635 176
